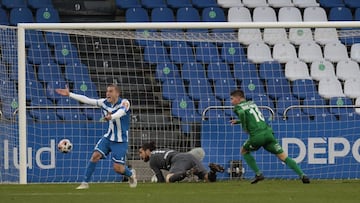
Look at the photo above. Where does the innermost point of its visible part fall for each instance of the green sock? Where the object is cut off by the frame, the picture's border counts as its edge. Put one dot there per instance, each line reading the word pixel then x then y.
pixel 292 164
pixel 251 162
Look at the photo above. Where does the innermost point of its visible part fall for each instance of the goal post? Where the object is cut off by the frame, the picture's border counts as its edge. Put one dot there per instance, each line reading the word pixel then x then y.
pixel 221 143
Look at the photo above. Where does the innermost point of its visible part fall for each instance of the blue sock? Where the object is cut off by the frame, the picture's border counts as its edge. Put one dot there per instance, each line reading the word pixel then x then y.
pixel 89 171
pixel 127 172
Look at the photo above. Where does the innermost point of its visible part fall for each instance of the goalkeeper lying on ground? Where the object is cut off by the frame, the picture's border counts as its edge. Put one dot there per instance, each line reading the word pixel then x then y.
pixel 179 164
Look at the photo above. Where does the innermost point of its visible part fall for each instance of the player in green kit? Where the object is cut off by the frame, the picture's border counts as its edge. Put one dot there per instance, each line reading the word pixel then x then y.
pixel 260 135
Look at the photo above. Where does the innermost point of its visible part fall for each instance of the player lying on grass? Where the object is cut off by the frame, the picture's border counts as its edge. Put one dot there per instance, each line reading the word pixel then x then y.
pixel 116 112
pixel 179 164
pixel 260 135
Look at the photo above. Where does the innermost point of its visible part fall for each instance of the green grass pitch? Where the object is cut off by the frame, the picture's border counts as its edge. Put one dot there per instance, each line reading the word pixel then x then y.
pixel 267 191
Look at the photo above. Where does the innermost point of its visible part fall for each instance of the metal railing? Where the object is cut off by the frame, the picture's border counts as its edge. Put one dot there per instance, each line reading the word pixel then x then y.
pixel 203 114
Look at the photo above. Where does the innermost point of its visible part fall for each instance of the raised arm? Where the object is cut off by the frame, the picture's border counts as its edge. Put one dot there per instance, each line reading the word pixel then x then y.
pixel 78 97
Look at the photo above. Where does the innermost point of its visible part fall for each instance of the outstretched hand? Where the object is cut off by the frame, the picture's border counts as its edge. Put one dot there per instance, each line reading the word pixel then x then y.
pixel 233 122
pixel 63 92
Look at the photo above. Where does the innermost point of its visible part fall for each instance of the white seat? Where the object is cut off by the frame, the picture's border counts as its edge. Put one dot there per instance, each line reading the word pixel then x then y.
pixel 295 70
pixel 284 52
pixel 248 36
pixel 229 3
pixel 355 52
pixel 310 52
pixel 326 35
pixel 330 87
pixel 259 52
pixel 254 3
pixel 275 35
pixel 300 35
pixel 264 14
pixel 305 3
pixel 352 88
pixel 289 14
pixel 357 103
pixel 280 3
pixel 322 69
pixel 314 14
pixel 239 14
pixel 335 52
pixel 347 69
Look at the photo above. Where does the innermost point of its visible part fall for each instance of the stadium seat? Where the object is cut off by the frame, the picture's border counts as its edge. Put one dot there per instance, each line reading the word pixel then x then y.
pixel 340 101
pixel 232 52
pixel 277 87
pixel 249 36
pixel 245 70
pixel 173 89
pixel 4 76
pixel 134 14
pixel 39 54
pixel 41 114
pixel 264 14
pixel 340 14
pixel 48 72
pixel 8 89
pixel 352 88
pixel 76 71
pixel 67 114
pixel 289 14
pixel 204 3
pixel 51 86
pixel 199 88
pixel 155 53
pixel 347 69
pixel 322 69
pixel 335 52
pixel 162 14
pixel 304 88
pixel 331 3
pixel 214 14
pixel 34 90
pixel 165 71
pixel 286 101
pixel 295 70
pixel 218 71
pixel 9 53
pixel 192 70
pixel 86 88
pixel 280 3
pixel 20 15
pixel 184 109
pixel 4 19
pixel 55 38
pixel 259 52
pixel 178 3
pixel 305 3
pixel 206 102
pixel 125 4
pixel 181 52
pixel 357 14
pixel 315 14
pixel 314 100
pixel 325 35
pixel 355 52
pixel 188 14
pixel 324 117
pixel 207 52
pixel 65 54
pixel 35 4
pixel 284 52
pixel 299 36
pixel 229 3
pixel 270 70
pixel 252 87
pixel 34 37
pixel 47 15
pixel 9 107
pixel 273 36
pixel 352 3
pixel 330 87
pixel 357 103
pixel 310 52
pixel 149 4
pixel 223 87
pixel 239 14
pixel 254 3
pixel 9 4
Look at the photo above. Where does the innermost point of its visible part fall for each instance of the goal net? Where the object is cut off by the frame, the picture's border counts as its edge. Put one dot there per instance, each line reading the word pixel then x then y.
pixel 178 83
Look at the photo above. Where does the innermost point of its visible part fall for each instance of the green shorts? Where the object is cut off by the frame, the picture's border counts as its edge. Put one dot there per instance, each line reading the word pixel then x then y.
pixel 264 139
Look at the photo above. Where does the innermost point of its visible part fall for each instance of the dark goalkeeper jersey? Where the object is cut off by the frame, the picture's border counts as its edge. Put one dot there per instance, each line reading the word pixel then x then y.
pixel 250 117
pixel 161 159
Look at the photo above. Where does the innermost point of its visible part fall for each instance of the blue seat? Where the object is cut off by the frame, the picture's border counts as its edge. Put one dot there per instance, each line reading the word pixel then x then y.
pixel 43 113
pixel 51 86
pixel 192 70
pixel 304 88
pixel 352 3
pixel 55 38
pixel 207 52
pixel 76 71
pixel 35 4
pixel 223 87
pixel 325 117
pixel 340 14
pixel 315 100
pixel 69 114
pixel 4 19
pixel 286 101
pixel 39 54
pixel 66 53
pixel 125 4
pixel 153 3
pixel 184 109
pixel 245 70
pixel 331 3
pixel 162 14
pixel 204 3
pixel 173 89
pixel 20 15
pixel 218 71
pixel 205 102
pixel 165 71
pixel 87 88
pixel 178 3
pixel 277 87
pixel 199 88
pixel 93 114
pixel 233 52
pixel 341 101
pixel 9 53
pixel 47 15
pixel 34 90
pixel 357 14
pixel 30 73
pixel 133 15
pixel 155 53
pixel 271 70
pixel 189 14
pixel 214 14
pixel 48 72
pixel 9 4
pixel 4 73
pixel 9 107
pixel 34 37
pixel 181 52
pixel 8 89
pixel 252 87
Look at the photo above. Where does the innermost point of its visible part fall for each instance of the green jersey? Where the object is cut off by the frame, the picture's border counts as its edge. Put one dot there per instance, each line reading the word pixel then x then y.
pixel 251 118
